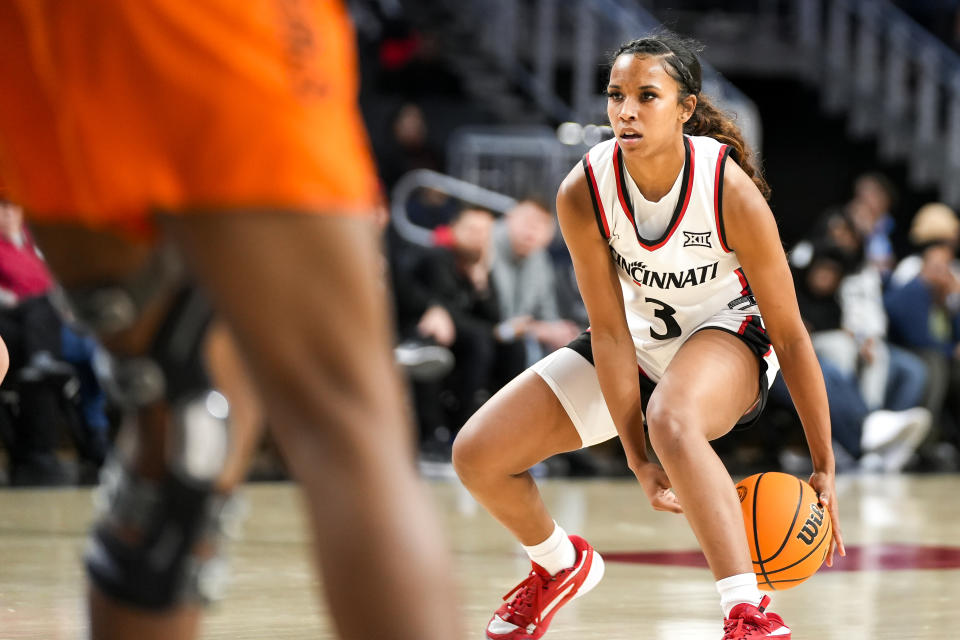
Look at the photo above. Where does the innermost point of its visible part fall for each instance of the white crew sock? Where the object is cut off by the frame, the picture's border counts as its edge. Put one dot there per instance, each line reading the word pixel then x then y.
pixel 556 553
pixel 738 589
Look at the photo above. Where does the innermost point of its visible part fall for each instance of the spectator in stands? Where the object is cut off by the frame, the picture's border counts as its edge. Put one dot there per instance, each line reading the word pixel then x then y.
pixel 445 297
pixel 889 377
pixel 925 317
pixel 523 277
pixel 408 146
pixel 879 440
pixel 424 331
pixel 817 284
pixel 874 390
pixel 874 197
pixel 39 343
pixel 405 147
pixel 933 223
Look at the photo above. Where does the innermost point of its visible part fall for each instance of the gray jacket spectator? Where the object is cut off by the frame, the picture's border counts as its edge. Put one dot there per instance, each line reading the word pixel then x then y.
pixel 523 277
pixel 525 283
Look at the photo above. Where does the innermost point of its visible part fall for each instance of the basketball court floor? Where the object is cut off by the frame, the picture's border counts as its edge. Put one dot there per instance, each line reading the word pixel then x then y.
pixel 900 580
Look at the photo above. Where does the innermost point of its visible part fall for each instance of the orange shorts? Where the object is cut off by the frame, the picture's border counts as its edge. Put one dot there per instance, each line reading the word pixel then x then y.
pixel 114 109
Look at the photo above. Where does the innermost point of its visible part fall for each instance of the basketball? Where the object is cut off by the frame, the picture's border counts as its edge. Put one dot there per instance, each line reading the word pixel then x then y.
pixel 788 532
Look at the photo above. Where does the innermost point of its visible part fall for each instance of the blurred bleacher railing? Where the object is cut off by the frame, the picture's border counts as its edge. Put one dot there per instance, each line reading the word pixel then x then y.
pixel 894 79
pixel 556 51
pixel 460 190
pixel 520 161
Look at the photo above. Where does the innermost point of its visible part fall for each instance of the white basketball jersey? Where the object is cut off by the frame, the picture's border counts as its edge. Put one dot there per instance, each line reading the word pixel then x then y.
pixel 687 278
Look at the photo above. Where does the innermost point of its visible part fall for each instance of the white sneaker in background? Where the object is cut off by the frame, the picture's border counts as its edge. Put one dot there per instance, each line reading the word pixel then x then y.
pixel 881 428
pixel 899 454
pixel 422 361
pixel 893 437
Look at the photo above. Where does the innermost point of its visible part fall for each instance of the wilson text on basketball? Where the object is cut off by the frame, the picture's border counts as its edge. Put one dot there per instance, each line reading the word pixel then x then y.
pixel 812 526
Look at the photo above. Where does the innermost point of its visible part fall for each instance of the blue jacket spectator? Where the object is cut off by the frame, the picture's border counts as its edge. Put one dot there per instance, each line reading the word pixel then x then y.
pixel 916 321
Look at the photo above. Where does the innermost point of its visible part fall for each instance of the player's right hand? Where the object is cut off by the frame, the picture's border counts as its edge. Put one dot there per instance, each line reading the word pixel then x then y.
pixel 656 485
pixel 823 483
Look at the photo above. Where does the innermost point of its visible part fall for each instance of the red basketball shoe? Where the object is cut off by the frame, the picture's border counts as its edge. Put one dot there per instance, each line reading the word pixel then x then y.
pixel 747 622
pixel 538 598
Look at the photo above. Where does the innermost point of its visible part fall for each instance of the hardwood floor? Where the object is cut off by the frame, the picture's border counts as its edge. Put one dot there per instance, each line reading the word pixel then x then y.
pixel 901 580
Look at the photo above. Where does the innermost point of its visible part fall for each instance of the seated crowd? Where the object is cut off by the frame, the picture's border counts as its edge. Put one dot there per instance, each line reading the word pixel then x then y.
pixel 487 292
pixel 50 391
pixel 495 293
pixel 885 330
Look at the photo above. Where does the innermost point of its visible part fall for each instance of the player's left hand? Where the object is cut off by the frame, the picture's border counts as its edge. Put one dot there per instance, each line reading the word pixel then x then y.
pixel 823 483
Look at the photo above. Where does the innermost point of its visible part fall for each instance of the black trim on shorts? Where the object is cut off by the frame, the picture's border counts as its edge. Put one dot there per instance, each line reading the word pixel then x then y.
pixel 758 342
pixel 753 336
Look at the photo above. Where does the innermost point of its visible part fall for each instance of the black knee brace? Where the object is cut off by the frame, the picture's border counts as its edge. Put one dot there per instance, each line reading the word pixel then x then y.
pixel 155 542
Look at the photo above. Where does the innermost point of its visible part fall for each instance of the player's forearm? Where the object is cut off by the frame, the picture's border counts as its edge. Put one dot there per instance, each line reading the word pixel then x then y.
pixel 804 379
pixel 616 365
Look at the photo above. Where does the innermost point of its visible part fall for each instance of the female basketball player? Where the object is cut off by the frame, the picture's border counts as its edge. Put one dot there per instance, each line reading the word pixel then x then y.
pixel 666 222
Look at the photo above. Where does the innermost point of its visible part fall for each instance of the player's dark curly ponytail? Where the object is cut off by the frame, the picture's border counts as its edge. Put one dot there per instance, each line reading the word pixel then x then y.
pixel 682 64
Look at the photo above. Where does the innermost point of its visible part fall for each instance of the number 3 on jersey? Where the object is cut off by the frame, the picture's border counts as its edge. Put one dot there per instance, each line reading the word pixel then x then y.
pixel 665 314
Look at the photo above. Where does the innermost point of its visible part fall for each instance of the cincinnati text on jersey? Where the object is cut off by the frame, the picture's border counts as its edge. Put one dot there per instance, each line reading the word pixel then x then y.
pixel 665 279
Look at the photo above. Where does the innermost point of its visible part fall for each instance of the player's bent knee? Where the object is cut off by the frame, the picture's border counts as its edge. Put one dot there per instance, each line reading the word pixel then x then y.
pixel 669 429
pixel 473 455
pixel 465 456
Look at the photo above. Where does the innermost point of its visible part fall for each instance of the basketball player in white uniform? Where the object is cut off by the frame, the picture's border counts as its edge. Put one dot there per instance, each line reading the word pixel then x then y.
pixel 666 223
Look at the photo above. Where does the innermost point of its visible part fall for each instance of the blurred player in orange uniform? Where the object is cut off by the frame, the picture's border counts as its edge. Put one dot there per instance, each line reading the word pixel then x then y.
pixel 232 129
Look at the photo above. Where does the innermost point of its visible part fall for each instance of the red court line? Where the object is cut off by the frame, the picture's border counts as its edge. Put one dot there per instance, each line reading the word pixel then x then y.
pixel 882 557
